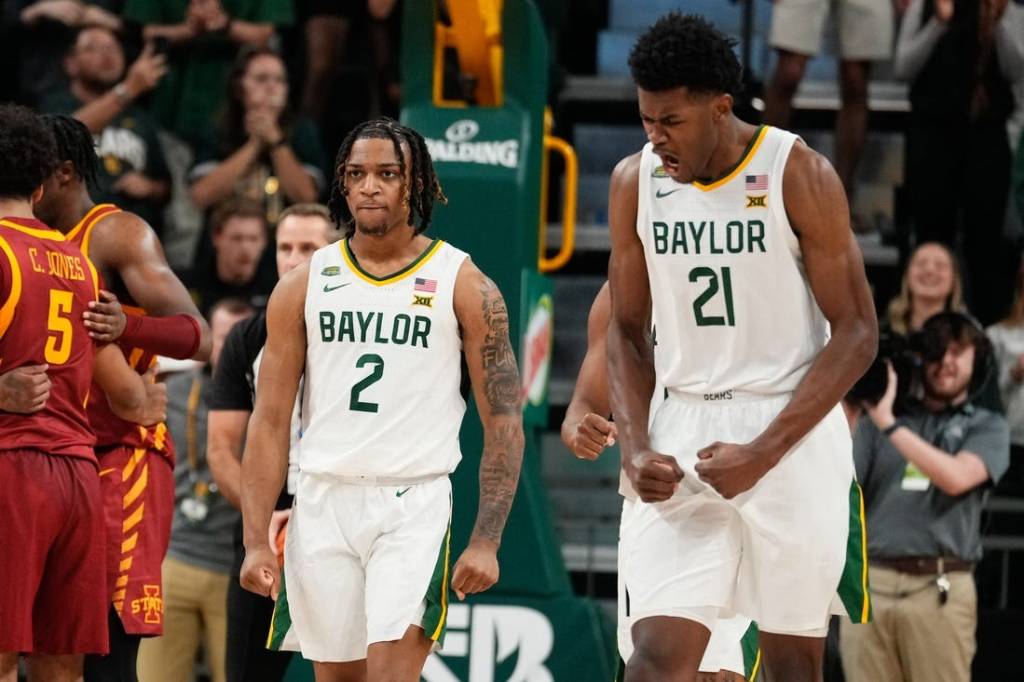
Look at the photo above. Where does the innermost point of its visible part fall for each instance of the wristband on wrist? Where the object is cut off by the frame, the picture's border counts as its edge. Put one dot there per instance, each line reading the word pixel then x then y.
pixel 889 430
pixel 121 90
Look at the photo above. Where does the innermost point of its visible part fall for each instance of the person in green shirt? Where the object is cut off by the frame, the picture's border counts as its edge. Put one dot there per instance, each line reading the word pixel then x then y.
pixel 201 38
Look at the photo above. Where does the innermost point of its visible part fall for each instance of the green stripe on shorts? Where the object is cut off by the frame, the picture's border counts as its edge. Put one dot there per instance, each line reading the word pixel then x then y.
pixel 751 653
pixel 281 621
pixel 435 617
pixel 853 585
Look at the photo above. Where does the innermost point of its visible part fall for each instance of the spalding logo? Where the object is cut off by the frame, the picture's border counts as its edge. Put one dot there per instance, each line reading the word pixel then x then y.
pixel 462 131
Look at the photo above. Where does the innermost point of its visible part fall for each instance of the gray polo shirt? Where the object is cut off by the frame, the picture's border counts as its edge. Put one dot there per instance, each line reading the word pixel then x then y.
pixel 907 516
pixel 200 538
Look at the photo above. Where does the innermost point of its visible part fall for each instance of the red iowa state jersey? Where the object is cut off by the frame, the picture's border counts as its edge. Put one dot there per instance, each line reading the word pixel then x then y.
pixel 45 286
pixel 110 429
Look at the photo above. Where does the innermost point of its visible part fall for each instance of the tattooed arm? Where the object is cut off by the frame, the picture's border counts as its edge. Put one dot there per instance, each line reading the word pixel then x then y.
pixel 483 319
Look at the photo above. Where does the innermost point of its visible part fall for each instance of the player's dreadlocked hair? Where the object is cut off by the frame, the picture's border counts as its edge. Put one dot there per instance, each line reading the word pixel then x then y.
pixel 685 51
pixel 27 152
pixel 424 189
pixel 75 144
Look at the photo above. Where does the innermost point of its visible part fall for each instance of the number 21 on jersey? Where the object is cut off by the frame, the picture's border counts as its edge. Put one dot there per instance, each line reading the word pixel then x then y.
pixel 712 277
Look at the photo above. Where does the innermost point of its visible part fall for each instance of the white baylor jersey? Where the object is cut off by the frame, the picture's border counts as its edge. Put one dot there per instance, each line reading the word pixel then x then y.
pixel 729 292
pixel 383 367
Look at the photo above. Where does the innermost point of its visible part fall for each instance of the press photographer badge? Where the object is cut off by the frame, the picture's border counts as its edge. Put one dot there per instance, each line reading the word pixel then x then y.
pixel 914 479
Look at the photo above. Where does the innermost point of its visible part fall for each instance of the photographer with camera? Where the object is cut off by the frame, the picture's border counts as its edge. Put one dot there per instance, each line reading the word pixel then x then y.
pixel 926 475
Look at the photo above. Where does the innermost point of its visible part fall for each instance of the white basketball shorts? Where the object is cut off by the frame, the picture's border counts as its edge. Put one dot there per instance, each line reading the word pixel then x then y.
pixel 361 564
pixel 774 554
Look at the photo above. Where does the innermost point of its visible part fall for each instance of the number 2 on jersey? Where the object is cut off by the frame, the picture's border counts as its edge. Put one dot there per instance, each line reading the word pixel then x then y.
pixel 354 403
pixel 709 293
pixel 58 322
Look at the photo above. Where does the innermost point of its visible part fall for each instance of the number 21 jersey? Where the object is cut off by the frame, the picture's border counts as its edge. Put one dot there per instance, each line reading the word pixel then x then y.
pixel 383 367
pixel 729 292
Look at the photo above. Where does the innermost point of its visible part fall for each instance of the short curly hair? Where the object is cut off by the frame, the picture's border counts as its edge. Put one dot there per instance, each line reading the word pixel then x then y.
pixel 28 152
pixel 685 51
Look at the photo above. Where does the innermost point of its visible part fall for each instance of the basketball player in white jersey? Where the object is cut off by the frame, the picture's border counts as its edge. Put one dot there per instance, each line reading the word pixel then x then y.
pixel 731 654
pixel 380 323
pixel 735 238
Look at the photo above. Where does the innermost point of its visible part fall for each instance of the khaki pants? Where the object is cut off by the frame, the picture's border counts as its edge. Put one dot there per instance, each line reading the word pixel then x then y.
pixel 913 638
pixel 195 604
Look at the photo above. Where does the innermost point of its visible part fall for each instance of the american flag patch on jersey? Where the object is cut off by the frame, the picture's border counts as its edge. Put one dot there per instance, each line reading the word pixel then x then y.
pixel 757 182
pixel 427 285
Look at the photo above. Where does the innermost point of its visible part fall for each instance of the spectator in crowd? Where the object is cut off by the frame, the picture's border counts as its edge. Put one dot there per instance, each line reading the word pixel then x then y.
pixel 197 569
pixel 865 35
pixel 926 475
pixel 961 60
pixel 303 229
pixel 327 28
pixel 262 152
pixel 1008 347
pixel 133 173
pixel 46 30
pixel 931 284
pixel 239 233
pixel 202 38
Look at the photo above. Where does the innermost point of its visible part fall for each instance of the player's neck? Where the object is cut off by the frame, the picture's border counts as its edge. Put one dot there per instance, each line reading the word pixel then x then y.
pixel 16 208
pixel 74 209
pixel 396 245
pixel 734 138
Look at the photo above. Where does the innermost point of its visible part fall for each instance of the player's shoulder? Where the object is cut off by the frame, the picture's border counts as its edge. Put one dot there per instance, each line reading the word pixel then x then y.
pixel 627 169
pixel 469 274
pixel 807 164
pixel 119 236
pixel 125 223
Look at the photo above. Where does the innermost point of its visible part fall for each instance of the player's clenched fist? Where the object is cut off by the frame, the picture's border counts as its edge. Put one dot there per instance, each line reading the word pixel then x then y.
pixel 259 572
pixel 24 389
pixel 654 476
pixel 477 568
pixel 731 469
pixel 592 435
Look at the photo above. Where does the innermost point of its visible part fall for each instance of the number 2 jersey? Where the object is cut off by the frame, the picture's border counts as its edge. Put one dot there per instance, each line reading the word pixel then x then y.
pixel 45 286
pixel 383 367
pixel 729 293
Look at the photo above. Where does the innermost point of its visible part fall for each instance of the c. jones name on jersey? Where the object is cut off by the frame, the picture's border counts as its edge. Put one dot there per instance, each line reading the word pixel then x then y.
pixel 705 237
pixel 356 326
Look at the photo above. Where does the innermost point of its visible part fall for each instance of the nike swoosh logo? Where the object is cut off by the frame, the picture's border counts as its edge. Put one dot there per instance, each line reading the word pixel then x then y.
pixel 329 288
pixel 402 492
pixel 659 194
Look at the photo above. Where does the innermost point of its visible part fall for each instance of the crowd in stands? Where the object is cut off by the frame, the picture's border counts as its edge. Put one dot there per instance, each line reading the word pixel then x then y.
pixel 195 103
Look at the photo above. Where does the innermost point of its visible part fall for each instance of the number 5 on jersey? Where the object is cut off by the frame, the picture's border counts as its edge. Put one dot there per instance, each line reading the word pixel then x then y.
pixel 58 322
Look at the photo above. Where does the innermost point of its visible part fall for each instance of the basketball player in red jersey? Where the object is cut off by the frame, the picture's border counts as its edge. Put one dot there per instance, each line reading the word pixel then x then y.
pixel 136 464
pixel 52 578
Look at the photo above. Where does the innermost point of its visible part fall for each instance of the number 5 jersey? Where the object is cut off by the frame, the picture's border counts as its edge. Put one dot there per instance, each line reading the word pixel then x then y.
pixel 383 367
pixel 733 308
pixel 45 286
